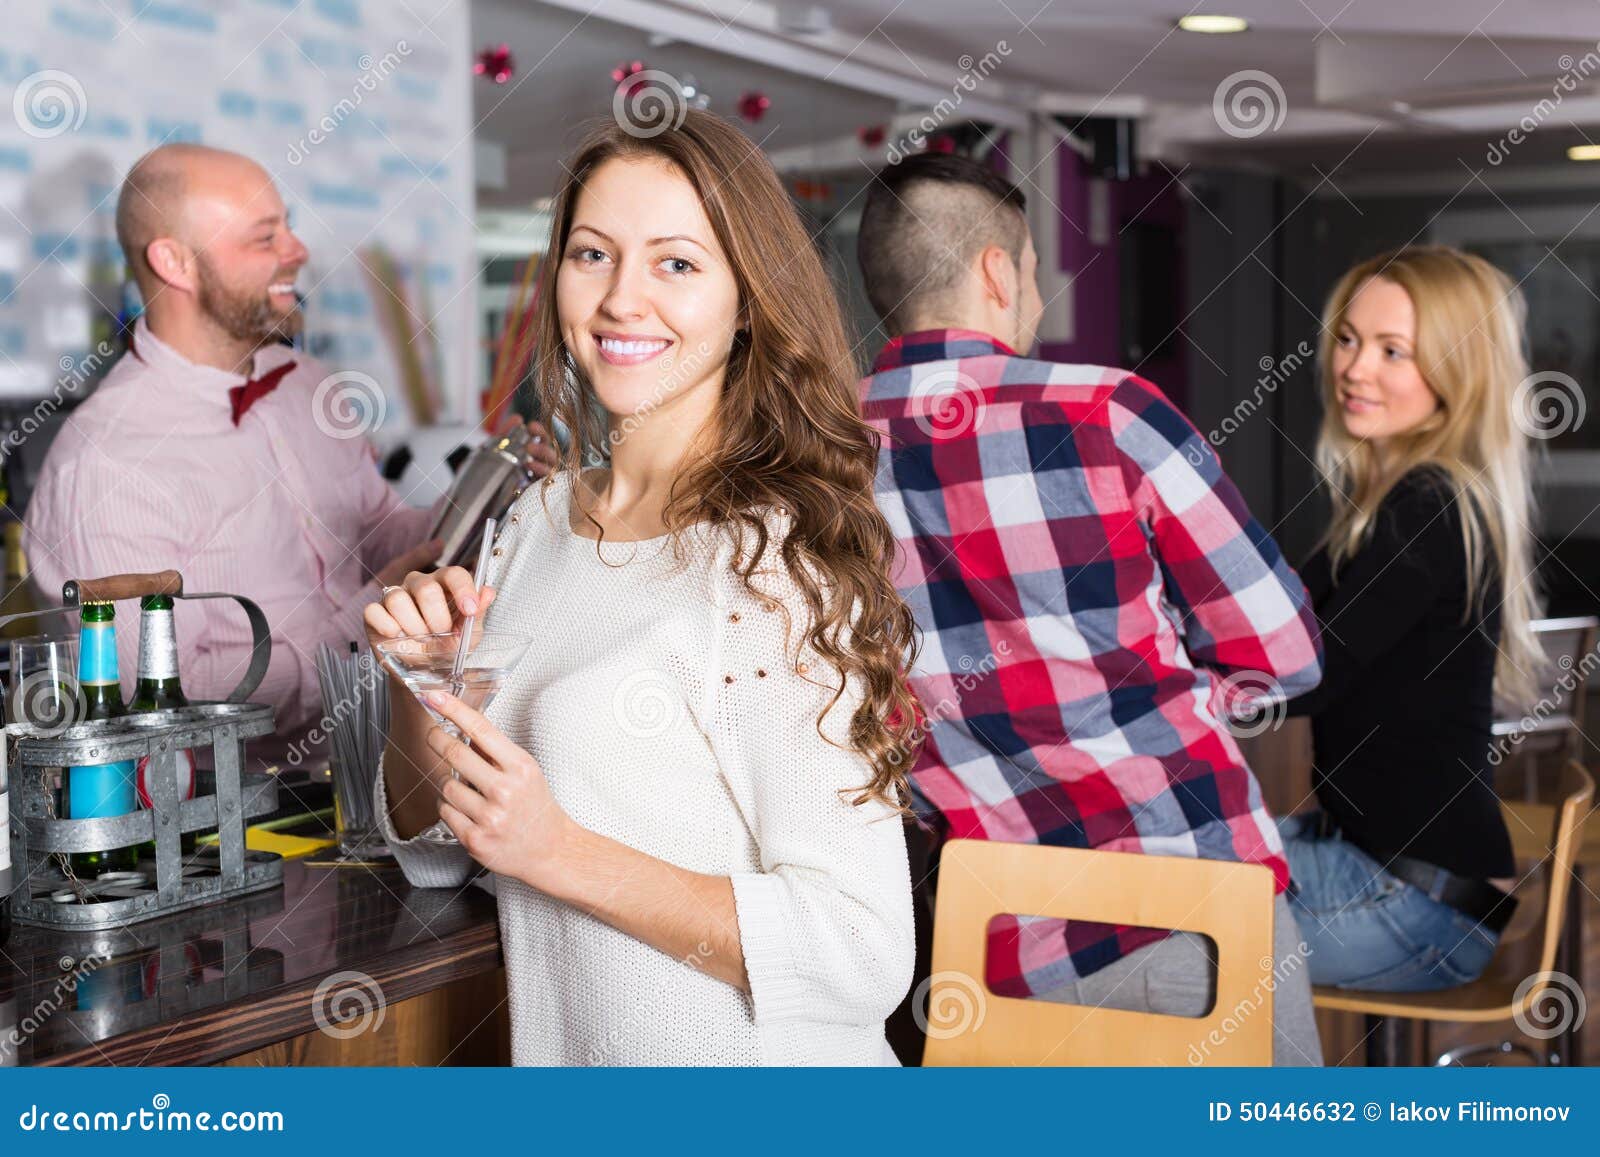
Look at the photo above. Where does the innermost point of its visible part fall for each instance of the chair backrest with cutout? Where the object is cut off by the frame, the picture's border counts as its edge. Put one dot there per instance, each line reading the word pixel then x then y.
pixel 980 879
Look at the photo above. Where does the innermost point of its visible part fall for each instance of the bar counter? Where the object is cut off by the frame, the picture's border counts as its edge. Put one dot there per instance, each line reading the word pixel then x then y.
pixel 339 966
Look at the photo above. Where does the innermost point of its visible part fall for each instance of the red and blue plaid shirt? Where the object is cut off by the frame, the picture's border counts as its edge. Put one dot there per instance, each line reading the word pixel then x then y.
pixel 1093 596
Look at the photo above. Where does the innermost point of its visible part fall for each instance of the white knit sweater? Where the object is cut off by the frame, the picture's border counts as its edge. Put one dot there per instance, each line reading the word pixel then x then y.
pixel 659 702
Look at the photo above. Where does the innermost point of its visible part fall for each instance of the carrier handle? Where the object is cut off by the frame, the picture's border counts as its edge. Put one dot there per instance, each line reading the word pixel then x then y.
pixel 121 586
pixel 167 582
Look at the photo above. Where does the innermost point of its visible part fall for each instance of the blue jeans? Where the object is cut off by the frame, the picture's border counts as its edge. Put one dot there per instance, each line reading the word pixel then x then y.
pixel 1367 929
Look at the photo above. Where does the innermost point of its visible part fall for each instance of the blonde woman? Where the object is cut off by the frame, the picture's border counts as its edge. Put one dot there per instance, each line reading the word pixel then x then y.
pixel 1423 587
pixel 688 789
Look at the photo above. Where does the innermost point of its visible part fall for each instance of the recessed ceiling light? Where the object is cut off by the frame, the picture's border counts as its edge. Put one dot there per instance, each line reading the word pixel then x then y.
pixel 1584 153
pixel 1212 24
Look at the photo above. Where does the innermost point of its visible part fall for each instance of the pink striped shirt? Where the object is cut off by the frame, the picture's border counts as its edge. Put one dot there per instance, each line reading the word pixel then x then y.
pixel 150 473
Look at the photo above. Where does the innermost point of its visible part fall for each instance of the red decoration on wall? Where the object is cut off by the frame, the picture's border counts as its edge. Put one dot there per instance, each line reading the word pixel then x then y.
pixel 941 143
pixel 811 190
pixel 627 69
pixel 754 105
pixel 871 135
pixel 496 63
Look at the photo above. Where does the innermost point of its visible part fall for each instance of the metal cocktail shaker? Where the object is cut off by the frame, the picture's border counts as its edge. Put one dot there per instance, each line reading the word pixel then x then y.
pixel 485 486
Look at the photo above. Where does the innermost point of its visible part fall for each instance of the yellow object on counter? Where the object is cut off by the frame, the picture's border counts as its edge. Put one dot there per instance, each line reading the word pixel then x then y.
pixel 264 837
pixel 289 847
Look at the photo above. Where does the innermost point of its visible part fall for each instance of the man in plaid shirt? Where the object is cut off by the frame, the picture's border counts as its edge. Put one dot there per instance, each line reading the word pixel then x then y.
pixel 1094 598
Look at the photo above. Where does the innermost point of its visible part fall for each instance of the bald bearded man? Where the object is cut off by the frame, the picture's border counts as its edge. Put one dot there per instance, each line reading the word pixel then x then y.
pixel 209 448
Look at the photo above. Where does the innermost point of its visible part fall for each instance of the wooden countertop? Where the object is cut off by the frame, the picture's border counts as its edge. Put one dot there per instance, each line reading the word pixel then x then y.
pixel 199 987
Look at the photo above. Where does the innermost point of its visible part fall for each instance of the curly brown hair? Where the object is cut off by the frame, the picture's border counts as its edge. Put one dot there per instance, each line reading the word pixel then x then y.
pixel 787 435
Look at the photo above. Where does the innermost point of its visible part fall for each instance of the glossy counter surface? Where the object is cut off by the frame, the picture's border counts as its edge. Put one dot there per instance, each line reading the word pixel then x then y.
pixel 202 986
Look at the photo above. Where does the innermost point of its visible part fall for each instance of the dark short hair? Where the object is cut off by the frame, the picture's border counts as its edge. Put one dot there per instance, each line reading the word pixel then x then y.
pixel 926 217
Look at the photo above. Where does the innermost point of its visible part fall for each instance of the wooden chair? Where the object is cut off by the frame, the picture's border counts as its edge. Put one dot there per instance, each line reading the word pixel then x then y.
pixel 1503 993
pixel 981 879
pixel 1530 744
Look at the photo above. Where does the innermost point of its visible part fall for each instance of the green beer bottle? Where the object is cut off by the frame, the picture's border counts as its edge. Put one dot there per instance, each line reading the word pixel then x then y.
pixel 97 791
pixel 158 689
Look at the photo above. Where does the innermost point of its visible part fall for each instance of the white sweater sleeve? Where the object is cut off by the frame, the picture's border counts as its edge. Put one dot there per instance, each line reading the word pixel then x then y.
pixel 826 925
pixel 425 865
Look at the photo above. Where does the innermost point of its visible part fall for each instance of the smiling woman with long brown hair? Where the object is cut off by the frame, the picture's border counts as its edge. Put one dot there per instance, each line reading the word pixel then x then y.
pixel 689 788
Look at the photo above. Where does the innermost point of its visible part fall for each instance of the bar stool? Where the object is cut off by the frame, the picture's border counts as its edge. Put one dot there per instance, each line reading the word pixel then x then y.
pixel 981 879
pixel 1502 994
pixel 1530 825
pixel 1556 732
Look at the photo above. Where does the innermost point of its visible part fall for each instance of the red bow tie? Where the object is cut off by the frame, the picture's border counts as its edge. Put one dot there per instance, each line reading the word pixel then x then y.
pixel 245 396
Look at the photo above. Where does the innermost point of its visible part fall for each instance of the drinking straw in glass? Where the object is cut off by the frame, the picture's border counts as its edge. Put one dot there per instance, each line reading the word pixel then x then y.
pixel 479 577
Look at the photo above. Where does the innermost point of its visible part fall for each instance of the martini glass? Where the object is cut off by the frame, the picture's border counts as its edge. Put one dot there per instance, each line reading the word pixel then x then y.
pixel 429 663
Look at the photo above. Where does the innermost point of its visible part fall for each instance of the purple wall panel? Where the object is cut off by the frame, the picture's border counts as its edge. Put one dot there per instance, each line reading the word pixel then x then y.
pixel 1153 198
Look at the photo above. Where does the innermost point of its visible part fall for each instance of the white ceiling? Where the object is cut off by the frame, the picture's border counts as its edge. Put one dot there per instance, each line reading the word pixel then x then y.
pixel 1131 45
pixel 564 61
pixel 1403 82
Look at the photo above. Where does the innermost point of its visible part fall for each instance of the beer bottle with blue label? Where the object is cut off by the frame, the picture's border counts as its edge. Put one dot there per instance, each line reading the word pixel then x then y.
pixel 160 689
pixel 103 790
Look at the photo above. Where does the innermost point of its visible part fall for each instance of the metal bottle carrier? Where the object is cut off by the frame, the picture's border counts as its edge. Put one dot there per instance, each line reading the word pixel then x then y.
pixel 46 896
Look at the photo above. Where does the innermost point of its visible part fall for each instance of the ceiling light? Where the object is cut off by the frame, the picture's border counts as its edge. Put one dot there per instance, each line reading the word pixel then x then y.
pixel 1584 153
pixel 1212 24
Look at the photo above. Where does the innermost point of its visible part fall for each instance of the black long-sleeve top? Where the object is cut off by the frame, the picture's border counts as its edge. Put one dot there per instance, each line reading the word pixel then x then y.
pixel 1401 720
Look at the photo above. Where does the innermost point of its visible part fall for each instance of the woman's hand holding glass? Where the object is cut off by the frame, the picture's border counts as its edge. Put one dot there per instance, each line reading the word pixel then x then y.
pixel 427 604
pixel 500 807
pixel 434 603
